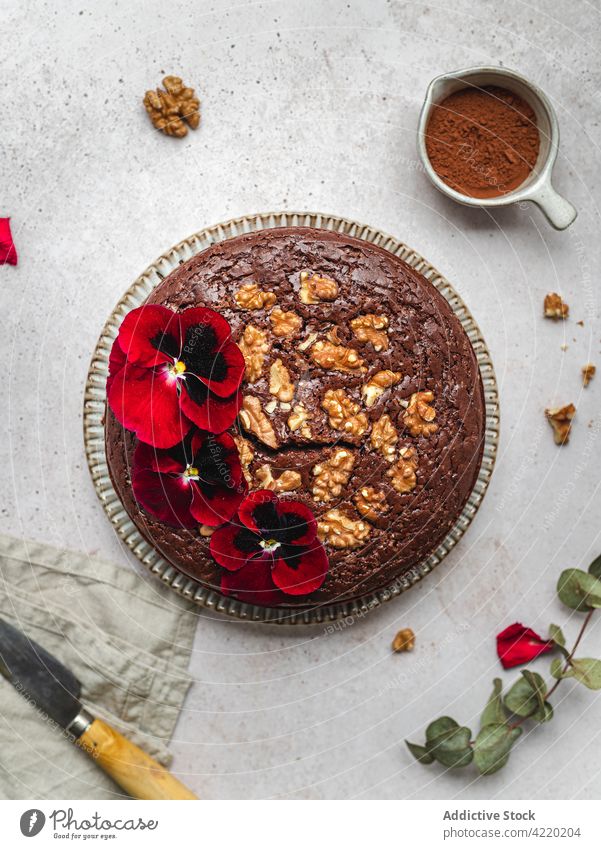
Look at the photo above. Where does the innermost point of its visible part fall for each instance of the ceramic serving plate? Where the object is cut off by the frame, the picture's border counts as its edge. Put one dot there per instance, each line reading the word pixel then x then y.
pixel 95 401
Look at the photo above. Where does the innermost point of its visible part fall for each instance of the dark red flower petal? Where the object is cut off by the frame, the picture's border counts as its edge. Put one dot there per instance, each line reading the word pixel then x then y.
pixel 8 252
pixel 117 360
pixel 257 499
pixel 206 410
pixel 223 374
pixel 253 583
pixel 300 571
pixel 156 460
pixel 203 317
pixel 518 644
pixel 217 458
pixel 166 497
pixel 297 522
pixel 146 401
pixel 149 335
pixel 232 545
pixel 214 505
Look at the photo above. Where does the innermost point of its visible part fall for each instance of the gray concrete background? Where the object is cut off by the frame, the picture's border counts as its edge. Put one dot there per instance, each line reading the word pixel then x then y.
pixel 313 105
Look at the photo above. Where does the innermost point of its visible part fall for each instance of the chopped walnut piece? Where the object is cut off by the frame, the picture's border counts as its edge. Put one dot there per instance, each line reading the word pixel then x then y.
pixel 336 357
pixel 254 420
pixel 588 372
pixel 560 420
pixel 254 346
pixel 286 482
pixel 280 384
pixel 404 640
pixel 205 530
pixel 251 297
pixel 298 419
pixel 339 530
pixel 555 308
pixel 246 454
pixel 371 503
pixel 333 337
pixel 378 384
pixel 284 323
pixel 344 413
pixel 315 289
pixel 332 474
pixel 306 343
pixel 371 328
pixel 384 437
pixel 170 108
pixel 419 415
pixel 402 474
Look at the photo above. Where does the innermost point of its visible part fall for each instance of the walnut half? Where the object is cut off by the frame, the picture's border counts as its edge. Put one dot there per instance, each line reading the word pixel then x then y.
pixel 419 415
pixel 344 413
pixel 254 420
pixel 371 328
pixel 298 419
pixel 251 297
pixel 284 323
pixel 169 109
pixel 339 530
pixel 560 420
pixel 384 437
pixel 288 481
pixel 280 383
pixel 254 346
pixel 371 503
pixel 332 474
pixel 336 357
pixel 315 289
pixel 378 384
pixel 403 473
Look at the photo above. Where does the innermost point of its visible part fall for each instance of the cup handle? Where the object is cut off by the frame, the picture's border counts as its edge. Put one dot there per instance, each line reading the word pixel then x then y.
pixel 558 211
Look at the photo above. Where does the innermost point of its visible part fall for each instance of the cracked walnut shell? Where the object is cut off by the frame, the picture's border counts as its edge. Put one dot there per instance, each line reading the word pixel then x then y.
pixel 378 384
pixel 172 109
pixel 332 474
pixel 288 481
pixel 254 346
pixel 280 383
pixel 371 503
pixel 343 412
pixel 419 415
pixel 336 357
pixel 254 420
pixel 555 308
pixel 315 289
pixel 560 420
pixel 403 474
pixel 339 530
pixel 384 437
pixel 251 297
pixel 371 328
pixel 284 323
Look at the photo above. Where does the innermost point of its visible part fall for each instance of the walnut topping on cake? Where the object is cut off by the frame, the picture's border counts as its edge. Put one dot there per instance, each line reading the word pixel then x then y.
pixel 254 346
pixel 288 481
pixel 555 308
pixel 336 357
pixel 339 530
pixel 371 503
pixel 384 437
pixel 298 419
pixel 344 413
pixel 378 384
pixel 402 475
pixel 419 415
pixel 332 474
pixel 251 297
pixel 588 372
pixel 246 455
pixel 254 420
pixel 284 323
pixel 315 289
pixel 371 328
pixel 280 383
pixel 560 420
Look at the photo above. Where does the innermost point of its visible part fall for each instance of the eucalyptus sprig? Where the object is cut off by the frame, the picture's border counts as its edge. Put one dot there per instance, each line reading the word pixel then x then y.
pixel 453 746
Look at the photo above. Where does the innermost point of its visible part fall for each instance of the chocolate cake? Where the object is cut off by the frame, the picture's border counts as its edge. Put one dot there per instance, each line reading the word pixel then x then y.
pixel 361 398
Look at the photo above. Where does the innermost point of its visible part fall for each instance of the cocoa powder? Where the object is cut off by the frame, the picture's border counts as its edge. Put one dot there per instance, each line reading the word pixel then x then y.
pixel 483 142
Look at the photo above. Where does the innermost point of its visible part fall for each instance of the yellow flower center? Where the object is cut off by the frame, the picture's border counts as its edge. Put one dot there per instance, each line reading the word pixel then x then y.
pixel 179 367
pixel 269 544
pixel 191 472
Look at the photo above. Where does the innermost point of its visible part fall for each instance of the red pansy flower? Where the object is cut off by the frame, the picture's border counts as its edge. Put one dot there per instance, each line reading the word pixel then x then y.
pixel 199 481
pixel 168 371
pixel 8 252
pixel 271 551
pixel 518 644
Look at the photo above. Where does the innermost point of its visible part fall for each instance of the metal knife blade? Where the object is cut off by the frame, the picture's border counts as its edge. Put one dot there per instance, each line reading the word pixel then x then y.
pixel 39 676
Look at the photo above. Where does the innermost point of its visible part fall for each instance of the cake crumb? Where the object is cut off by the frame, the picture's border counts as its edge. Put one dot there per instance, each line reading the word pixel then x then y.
pixel 555 308
pixel 404 640
pixel 588 372
pixel 560 419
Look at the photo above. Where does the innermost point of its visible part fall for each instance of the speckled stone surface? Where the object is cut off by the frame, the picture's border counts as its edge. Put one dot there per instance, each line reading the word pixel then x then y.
pixel 314 105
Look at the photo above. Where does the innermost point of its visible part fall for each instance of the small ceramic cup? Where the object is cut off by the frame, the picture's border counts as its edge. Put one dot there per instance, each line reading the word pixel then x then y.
pixel 537 186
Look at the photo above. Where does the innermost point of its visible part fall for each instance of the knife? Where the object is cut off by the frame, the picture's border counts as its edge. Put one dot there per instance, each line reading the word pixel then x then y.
pixel 53 688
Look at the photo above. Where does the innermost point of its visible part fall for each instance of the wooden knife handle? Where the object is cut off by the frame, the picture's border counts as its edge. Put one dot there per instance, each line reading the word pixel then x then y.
pixel 135 771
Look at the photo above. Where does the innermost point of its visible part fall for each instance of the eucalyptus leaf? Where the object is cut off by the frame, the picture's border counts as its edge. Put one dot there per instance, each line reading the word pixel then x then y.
pixel 587 670
pixel 492 747
pixel 557 667
pixel 526 696
pixel 595 567
pixel 544 713
pixel 579 590
pixel 420 753
pixel 440 726
pixel 494 713
pixel 556 634
pixel 452 748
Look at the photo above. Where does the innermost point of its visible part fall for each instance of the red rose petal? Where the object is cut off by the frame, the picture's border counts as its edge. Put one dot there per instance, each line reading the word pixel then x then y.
pixel 518 644
pixel 144 329
pixel 253 583
pixel 232 545
pixel 299 511
pixel 146 401
pixel 304 572
pixel 166 497
pixel 8 252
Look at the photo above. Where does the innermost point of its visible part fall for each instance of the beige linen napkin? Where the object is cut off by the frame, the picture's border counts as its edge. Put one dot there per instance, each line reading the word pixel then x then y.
pixel 127 639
